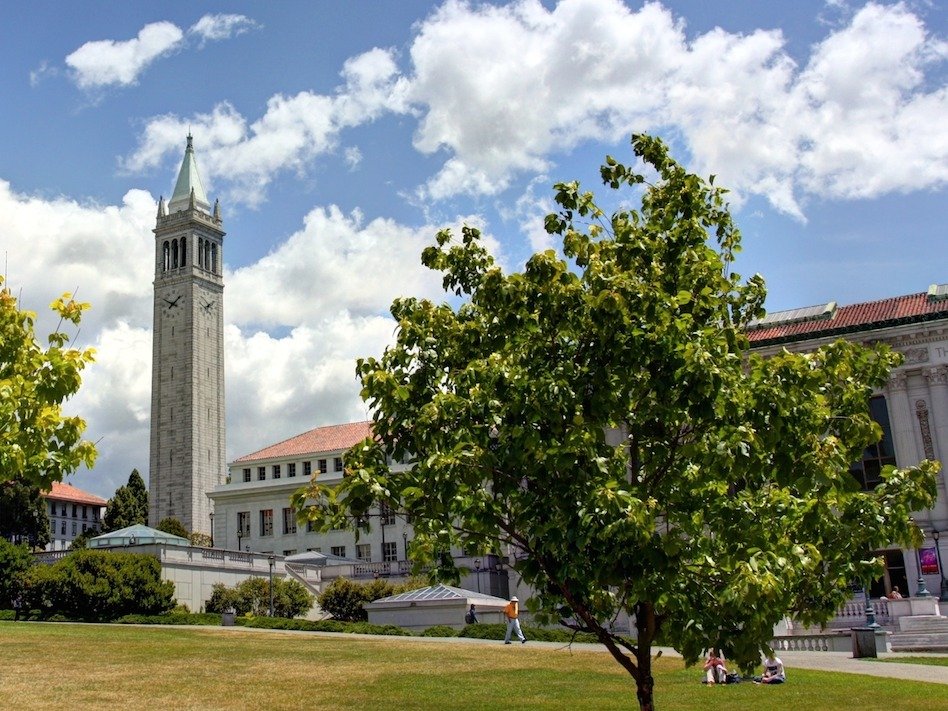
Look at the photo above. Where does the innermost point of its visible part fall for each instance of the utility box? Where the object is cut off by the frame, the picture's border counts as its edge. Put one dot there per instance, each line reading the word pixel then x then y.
pixel 864 642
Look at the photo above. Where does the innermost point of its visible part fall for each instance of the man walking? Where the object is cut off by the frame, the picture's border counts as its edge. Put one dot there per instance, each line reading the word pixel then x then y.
pixel 512 613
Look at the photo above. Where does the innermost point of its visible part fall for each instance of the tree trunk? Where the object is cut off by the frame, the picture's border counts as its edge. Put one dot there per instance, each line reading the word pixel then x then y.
pixel 644 691
pixel 645 682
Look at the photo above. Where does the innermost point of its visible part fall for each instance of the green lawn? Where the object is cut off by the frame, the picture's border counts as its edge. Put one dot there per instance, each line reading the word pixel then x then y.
pixel 932 661
pixel 60 666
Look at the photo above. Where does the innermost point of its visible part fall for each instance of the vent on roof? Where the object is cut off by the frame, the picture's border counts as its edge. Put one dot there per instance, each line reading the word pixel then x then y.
pixel 938 292
pixel 822 312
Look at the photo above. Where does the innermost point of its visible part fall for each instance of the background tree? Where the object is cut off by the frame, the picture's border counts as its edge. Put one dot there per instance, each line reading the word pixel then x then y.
pixel 599 415
pixel 128 506
pixel 24 514
pixel 344 599
pixel 38 444
pixel 173 526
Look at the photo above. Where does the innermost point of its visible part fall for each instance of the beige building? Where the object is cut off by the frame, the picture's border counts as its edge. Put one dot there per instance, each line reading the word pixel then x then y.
pixel 912 409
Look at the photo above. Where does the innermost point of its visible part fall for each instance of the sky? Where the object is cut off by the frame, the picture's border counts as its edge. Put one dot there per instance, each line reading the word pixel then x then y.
pixel 340 137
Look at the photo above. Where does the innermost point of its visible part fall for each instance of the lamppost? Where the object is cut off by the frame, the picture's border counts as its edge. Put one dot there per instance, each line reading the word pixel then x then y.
pixel 405 544
pixel 870 610
pixel 211 514
pixel 240 535
pixel 271 560
pixel 941 571
pixel 477 572
pixel 920 589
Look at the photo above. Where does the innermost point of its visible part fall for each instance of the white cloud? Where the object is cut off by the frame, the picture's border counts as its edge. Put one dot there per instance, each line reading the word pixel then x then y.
pixel 213 28
pixel 293 131
pixel 503 90
pixel 353 157
pixel 108 62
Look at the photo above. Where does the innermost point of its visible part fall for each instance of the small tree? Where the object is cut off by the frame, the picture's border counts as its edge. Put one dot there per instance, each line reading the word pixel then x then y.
pixel 600 416
pixel 15 560
pixel 173 526
pixel 128 506
pixel 38 444
pixel 344 599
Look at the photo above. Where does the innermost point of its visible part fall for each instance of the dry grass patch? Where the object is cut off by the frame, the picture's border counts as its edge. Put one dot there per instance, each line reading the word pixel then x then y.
pixel 56 666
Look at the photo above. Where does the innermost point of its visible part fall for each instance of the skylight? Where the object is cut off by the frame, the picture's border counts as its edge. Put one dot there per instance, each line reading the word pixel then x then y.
pixel 821 312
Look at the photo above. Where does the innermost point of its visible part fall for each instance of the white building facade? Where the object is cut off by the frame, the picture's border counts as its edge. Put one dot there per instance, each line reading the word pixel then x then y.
pixel 912 408
pixel 72 512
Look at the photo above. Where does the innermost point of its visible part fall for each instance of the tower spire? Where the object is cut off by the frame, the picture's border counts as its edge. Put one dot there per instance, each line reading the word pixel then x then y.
pixel 189 180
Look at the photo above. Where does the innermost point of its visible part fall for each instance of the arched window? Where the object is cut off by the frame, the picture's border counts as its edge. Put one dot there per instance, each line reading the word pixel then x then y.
pixel 184 251
pixel 174 254
pixel 207 255
pixel 214 258
pixel 165 257
pixel 201 253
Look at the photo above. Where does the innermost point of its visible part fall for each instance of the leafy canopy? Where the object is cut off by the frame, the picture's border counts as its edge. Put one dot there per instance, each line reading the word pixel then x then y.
pixel 598 416
pixel 38 444
pixel 128 506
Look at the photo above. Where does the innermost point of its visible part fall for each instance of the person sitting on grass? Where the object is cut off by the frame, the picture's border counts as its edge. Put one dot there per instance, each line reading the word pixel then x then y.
pixel 715 671
pixel 773 670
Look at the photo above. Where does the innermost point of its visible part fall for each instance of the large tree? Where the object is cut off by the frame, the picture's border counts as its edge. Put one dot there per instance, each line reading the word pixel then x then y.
pixel 128 505
pixel 598 415
pixel 38 444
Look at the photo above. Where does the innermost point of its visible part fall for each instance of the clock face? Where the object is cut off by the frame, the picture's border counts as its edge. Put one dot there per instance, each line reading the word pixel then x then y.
pixel 208 305
pixel 172 303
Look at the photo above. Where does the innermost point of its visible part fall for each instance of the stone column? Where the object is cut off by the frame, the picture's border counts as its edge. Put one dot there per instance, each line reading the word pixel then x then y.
pixel 902 420
pixel 937 378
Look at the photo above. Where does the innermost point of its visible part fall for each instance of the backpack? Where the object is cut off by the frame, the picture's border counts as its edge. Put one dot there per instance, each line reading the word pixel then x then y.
pixel 469 617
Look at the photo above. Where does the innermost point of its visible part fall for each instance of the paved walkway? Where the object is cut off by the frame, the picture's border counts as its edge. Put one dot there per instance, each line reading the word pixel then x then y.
pixel 820 661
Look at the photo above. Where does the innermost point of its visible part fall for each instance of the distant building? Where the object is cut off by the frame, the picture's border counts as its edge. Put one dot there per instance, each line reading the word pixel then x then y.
pixel 71 511
pixel 912 408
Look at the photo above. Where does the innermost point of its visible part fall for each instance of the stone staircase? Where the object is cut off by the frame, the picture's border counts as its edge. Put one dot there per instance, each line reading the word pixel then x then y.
pixel 921 633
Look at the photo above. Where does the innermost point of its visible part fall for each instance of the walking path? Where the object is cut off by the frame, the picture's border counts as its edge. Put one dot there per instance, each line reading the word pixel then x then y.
pixel 819 661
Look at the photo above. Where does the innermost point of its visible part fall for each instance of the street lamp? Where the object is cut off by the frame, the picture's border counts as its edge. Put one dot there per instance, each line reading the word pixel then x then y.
pixel 941 571
pixel 477 572
pixel 405 544
pixel 240 535
pixel 870 610
pixel 271 560
pixel 211 514
pixel 920 589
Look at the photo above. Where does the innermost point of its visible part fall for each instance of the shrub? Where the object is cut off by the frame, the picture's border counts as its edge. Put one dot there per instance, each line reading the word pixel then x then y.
pixel 171 618
pixel 98 585
pixel 343 598
pixel 252 597
pixel 173 526
pixel 440 631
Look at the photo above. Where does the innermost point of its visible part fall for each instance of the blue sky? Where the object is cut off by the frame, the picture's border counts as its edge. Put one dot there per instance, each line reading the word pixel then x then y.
pixel 340 137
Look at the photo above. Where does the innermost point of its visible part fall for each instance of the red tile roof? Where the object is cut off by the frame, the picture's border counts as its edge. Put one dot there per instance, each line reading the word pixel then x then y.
pixel 67 492
pixel 322 439
pixel 857 317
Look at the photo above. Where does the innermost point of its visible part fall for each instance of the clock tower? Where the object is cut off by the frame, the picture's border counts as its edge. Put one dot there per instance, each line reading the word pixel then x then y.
pixel 187 379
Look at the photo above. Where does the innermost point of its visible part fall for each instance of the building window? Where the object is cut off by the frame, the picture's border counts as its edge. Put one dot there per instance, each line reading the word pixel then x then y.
pixel 266 522
pixel 289 521
pixel 386 515
pixel 868 470
pixel 291 469
pixel 338 551
pixel 74 528
pixel 52 508
pixel 338 464
pixel 62 511
pixel 243 522
pixel 364 552
pixel 322 466
pixel 307 468
pixel 247 474
pixel 291 551
pixel 62 528
pixel 276 471
pixel 85 526
pixel 95 513
pixel 84 512
pixel 317 549
pixel 261 473
pixel 75 510
pixel 52 528
pixel 389 551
